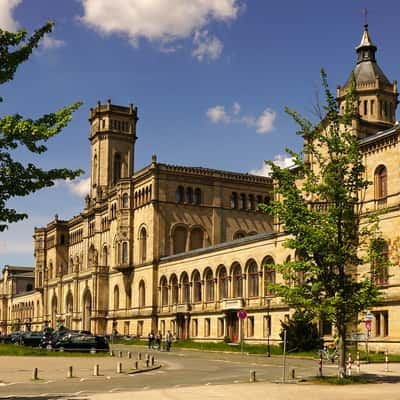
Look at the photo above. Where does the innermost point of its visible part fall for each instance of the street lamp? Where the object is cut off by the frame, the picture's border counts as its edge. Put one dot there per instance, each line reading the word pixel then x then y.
pixel 268 326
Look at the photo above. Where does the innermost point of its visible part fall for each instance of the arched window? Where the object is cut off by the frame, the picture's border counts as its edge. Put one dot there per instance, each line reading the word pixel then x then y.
pixel 196 287
pixel 125 200
pixel 223 283
pixel 185 288
pixel 237 280
pixel 174 290
pixel 242 201
pixel 179 240
pixel 117 167
pixel 116 297
pixel 253 279
pixel 189 195
pixel 197 196
pixel 142 294
pixel 381 182
pixel 209 285
pixel 179 194
pixel 269 275
pixel 143 245
pixel 164 291
pixel 196 239
pixel 234 200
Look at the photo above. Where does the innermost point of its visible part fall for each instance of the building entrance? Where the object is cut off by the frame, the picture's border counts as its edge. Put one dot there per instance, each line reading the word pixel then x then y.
pixel 233 326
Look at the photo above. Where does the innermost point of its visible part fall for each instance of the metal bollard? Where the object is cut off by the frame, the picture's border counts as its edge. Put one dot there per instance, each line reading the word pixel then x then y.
pixel 120 354
pixel 147 363
pixel 35 374
pixel 139 356
pixel 252 377
pixel 96 370
pixel 147 357
pixel 136 364
pixel 69 372
pixel 320 364
pixel 129 355
pixel 152 360
pixel 386 361
pixel 119 368
pixel 293 373
pixel 349 365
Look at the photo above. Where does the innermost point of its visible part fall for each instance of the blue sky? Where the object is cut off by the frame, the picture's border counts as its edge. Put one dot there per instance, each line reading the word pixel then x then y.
pixel 211 79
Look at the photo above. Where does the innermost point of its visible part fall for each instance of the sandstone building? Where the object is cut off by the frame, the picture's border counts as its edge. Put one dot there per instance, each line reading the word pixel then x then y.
pixel 184 248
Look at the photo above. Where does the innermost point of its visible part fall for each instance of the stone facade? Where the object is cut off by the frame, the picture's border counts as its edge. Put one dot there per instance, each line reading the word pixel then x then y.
pixel 184 248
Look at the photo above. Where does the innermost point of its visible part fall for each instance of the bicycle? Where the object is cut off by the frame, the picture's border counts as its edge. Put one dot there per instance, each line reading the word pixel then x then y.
pixel 328 355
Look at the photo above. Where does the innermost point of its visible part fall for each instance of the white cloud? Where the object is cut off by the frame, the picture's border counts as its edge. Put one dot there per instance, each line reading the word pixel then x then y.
pixel 7 22
pixel 51 43
pixel 263 123
pixel 79 187
pixel 206 46
pixel 163 21
pixel 280 160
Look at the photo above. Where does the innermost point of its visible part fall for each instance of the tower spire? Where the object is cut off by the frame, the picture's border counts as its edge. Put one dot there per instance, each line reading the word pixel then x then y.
pixel 366 49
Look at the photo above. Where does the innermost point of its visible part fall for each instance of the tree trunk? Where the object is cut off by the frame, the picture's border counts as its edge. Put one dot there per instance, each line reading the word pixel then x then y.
pixel 342 355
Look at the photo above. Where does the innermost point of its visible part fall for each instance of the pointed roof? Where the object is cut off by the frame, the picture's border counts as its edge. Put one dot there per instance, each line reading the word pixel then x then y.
pixel 367 70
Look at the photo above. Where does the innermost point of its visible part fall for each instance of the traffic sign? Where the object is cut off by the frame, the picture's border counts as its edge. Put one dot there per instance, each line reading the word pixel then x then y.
pixel 368 324
pixel 242 314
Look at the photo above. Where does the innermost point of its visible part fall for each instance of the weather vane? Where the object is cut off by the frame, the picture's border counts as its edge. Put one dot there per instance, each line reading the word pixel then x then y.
pixel 365 13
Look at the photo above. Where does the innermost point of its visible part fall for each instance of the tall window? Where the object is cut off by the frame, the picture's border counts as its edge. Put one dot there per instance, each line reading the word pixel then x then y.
pixel 164 291
pixel 253 279
pixel 179 240
pixel 196 239
pixel 381 182
pixel 196 287
pixel 116 297
pixel 143 245
pixel 142 294
pixel 117 167
pixel 234 200
pixel 124 252
pixel 125 200
pixel 223 283
pixel 237 281
pixel 174 289
pixel 105 256
pixel 185 288
pixel 197 196
pixel 179 194
pixel 209 285
pixel 380 262
pixel 189 195
pixel 242 201
pixel 269 275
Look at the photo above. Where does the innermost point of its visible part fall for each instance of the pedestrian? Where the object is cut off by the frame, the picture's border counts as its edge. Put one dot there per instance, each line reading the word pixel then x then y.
pixel 158 340
pixel 151 340
pixel 168 340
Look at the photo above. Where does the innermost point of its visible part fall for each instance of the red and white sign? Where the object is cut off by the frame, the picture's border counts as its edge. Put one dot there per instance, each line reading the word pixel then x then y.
pixel 242 314
pixel 368 324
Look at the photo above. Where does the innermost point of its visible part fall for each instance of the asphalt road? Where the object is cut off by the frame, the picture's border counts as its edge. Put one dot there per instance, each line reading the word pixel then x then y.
pixel 180 368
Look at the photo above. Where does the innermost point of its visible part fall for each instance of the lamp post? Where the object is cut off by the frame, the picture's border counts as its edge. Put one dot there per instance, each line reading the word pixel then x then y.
pixel 268 326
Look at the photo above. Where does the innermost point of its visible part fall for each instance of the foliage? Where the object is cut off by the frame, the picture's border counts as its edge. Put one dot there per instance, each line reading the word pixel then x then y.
pixel 301 333
pixel 15 131
pixel 319 204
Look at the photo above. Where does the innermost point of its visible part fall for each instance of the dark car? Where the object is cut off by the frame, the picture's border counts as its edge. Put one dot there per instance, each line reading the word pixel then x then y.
pixel 51 338
pixel 86 342
pixel 5 339
pixel 32 339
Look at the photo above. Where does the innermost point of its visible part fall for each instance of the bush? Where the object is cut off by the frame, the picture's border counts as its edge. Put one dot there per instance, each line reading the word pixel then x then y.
pixel 301 333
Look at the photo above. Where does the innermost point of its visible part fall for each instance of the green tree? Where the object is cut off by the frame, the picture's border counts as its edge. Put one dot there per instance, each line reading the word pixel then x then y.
pixel 17 179
pixel 319 204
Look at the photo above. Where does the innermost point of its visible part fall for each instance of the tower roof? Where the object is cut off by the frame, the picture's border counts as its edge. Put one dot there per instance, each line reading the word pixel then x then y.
pixel 367 70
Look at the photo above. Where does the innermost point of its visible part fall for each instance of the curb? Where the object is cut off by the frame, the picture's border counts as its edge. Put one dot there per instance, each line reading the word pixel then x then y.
pixel 138 371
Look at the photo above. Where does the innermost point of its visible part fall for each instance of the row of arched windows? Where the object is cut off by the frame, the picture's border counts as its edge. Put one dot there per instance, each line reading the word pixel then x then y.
pixel 25 310
pixel 243 201
pixel 141 297
pixel 143 196
pixel 217 287
pixel 188 196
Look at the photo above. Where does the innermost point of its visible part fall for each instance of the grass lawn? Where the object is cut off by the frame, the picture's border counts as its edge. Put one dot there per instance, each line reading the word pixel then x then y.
pixel 13 350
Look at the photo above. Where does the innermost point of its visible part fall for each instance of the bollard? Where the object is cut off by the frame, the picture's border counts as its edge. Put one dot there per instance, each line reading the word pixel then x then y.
pixel 139 356
pixel 386 361
pixel 69 373
pixel 111 353
pixel 120 354
pixel 147 357
pixel 252 377
pixel 152 360
pixel 147 363
pixel 358 362
pixel 136 364
pixel 119 368
pixel 293 373
pixel 35 374
pixel 349 365
pixel 129 355
pixel 96 370
pixel 320 364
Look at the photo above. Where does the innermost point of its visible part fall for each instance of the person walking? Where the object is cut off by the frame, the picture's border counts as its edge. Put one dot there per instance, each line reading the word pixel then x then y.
pixel 151 340
pixel 168 340
pixel 158 340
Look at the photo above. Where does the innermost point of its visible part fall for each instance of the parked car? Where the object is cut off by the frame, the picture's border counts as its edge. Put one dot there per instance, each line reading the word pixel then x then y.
pixel 32 339
pixel 5 339
pixel 72 342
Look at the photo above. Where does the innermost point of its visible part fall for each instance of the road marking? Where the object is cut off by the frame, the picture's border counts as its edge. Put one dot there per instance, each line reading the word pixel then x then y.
pixel 115 390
